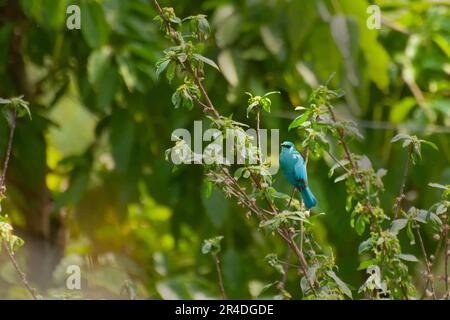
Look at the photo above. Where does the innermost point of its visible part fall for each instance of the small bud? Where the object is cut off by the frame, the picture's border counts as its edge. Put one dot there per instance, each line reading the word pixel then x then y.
pixel 436 237
pixel 432 257
pixel 448 253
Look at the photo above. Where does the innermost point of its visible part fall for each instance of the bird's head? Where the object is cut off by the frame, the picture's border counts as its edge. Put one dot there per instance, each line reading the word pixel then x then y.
pixel 287 146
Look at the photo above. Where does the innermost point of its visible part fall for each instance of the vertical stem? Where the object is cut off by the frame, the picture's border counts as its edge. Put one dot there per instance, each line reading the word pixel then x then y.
pixel 219 276
pixel 258 137
pixel 342 140
pixel 8 151
pixel 21 274
pixel 446 254
pixel 282 283
pixel 10 254
pixel 424 252
pixel 398 202
pixel 292 196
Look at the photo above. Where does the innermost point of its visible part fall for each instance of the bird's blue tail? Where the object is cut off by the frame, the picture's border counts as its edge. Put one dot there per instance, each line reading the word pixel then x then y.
pixel 308 198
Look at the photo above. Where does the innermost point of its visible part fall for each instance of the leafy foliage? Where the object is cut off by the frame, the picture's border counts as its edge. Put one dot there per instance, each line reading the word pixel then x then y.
pixel 102 120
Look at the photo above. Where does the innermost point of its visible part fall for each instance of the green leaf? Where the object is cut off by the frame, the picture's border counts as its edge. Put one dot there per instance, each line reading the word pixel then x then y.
pixel 161 66
pixel 408 257
pixel 271 93
pixel 212 245
pixel 266 288
pixel 94 28
pixel 360 225
pixel 398 225
pixel 299 120
pixel 206 60
pixel 170 74
pixel 251 107
pixel 438 186
pixel 341 284
pixel 364 246
pixel 365 264
pixel 266 103
pixel 348 204
pixel 400 136
pixel 229 65
pixel 127 71
pixel 238 173
pixel 441 209
pixel 208 189
pixel 341 178
pixel 400 109
pixel 176 99
pixel 431 144
pixel 98 62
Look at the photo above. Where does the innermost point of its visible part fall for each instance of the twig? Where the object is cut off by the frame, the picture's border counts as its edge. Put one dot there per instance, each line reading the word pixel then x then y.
pixel 344 144
pixel 219 276
pixel 424 252
pixel 398 201
pixel 196 78
pixel 10 254
pixel 8 152
pixel 338 162
pixel 258 138
pixel 292 196
pixel 282 283
pixel 21 274
pixel 446 255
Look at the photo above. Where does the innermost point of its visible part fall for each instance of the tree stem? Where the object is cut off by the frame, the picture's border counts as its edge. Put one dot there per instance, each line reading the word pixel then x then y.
pixel 424 252
pixel 446 255
pixel 399 200
pixel 19 271
pixel 8 152
pixel 219 276
pixel 10 254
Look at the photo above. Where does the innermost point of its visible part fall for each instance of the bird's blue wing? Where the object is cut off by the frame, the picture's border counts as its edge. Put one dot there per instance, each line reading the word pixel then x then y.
pixel 300 171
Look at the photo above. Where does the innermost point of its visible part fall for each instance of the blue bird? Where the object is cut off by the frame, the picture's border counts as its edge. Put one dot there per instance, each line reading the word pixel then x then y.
pixel 294 169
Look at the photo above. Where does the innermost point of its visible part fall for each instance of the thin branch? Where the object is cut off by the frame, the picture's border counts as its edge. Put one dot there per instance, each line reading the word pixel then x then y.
pixel 8 152
pixel 292 196
pixel 258 137
pixel 427 264
pixel 19 271
pixel 338 162
pixel 219 276
pixel 344 144
pixel 10 254
pixel 281 285
pixel 446 255
pixel 401 196
pixel 188 68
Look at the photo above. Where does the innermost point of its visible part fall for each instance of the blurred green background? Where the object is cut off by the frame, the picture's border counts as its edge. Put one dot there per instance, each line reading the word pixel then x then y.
pixel 89 184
